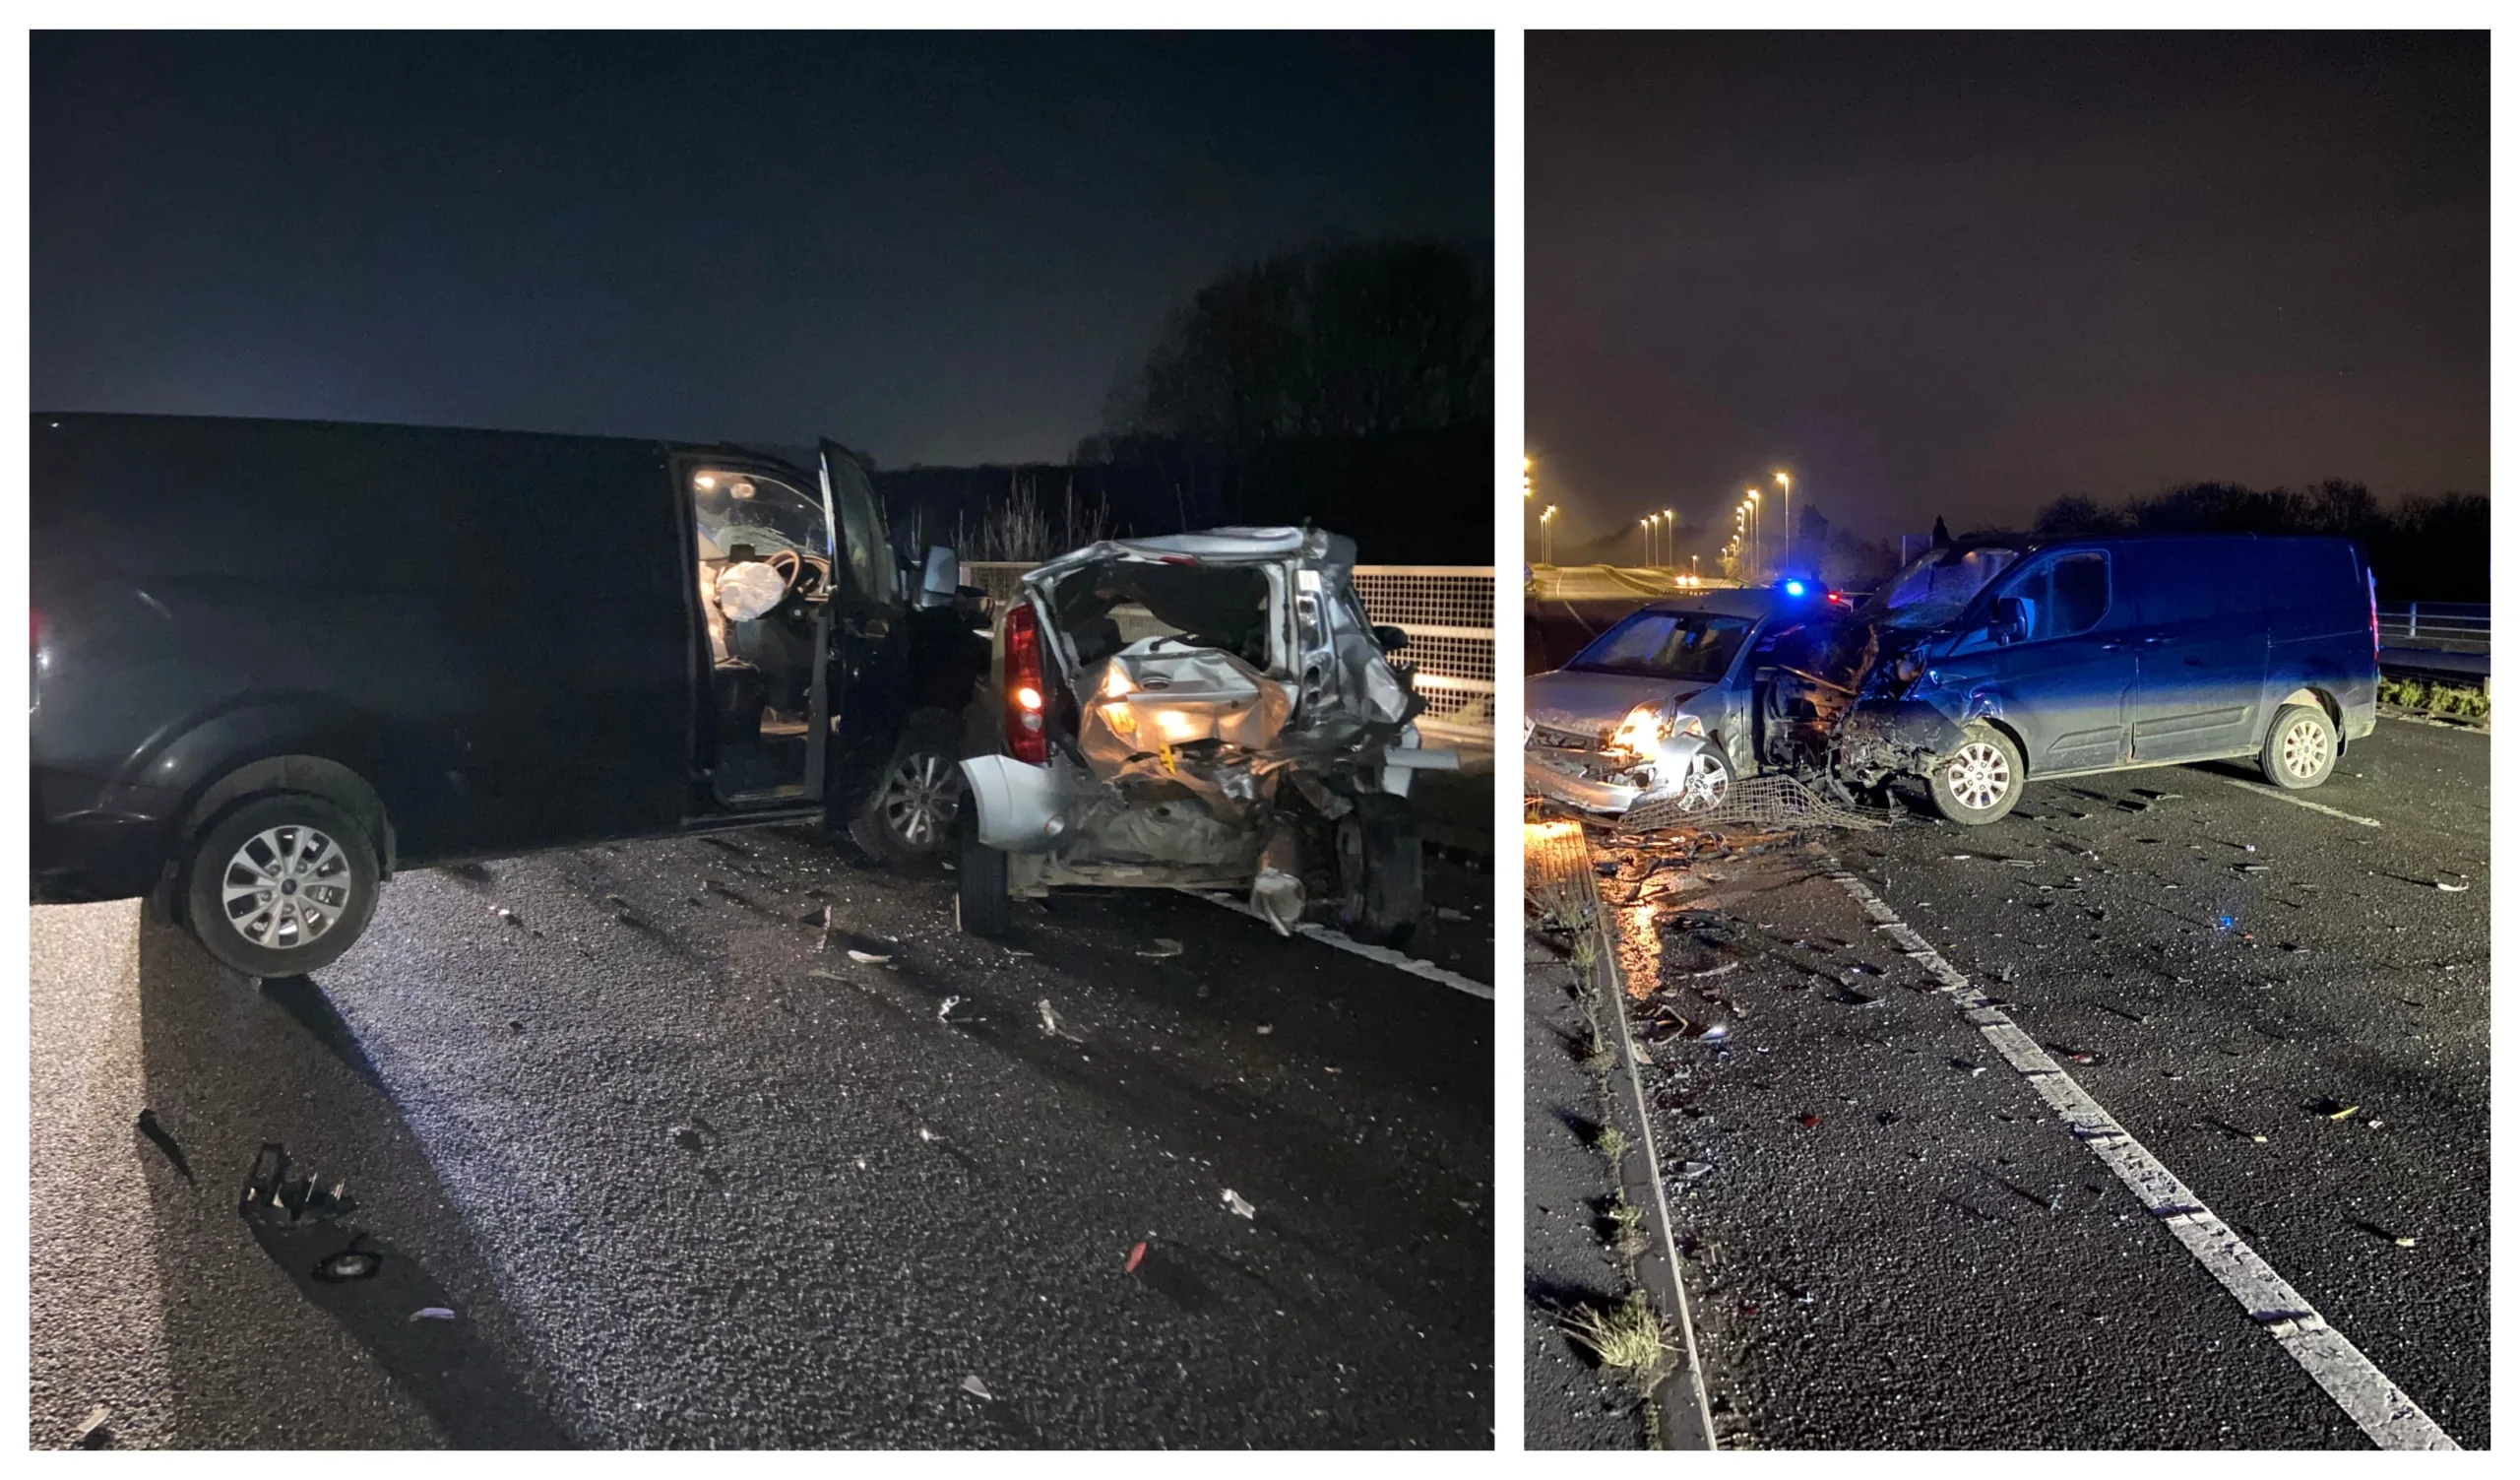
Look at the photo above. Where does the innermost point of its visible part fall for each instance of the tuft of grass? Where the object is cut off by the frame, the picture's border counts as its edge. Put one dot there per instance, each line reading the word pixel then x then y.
pixel 1627 1339
pixel 1628 1228
pixel 2458 701
pixel 1612 1143
pixel 1587 950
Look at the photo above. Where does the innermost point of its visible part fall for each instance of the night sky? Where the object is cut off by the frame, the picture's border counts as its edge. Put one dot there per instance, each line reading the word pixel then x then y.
pixel 939 249
pixel 1968 275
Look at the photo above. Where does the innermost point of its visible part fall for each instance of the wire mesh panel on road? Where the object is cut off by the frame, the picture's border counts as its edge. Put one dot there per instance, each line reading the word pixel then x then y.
pixel 1767 802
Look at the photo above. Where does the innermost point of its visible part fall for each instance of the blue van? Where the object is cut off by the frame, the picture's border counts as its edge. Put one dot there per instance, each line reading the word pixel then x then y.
pixel 1989 664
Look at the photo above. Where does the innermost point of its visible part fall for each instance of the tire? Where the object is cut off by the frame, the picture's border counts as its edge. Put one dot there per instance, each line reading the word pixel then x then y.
pixel 981 904
pixel 1382 871
pixel 273 932
pixel 1710 783
pixel 2301 748
pixel 908 814
pixel 1981 780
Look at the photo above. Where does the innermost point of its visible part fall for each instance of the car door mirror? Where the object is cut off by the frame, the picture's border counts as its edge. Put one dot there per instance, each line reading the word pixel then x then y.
pixel 940 576
pixel 2011 622
pixel 1393 639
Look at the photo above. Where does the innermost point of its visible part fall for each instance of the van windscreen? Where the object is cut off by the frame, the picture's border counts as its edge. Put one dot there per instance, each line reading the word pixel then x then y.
pixel 1938 585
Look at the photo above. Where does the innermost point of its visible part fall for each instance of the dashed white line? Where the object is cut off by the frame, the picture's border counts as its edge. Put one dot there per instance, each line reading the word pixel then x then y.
pixel 2268 791
pixel 1383 954
pixel 2377 1405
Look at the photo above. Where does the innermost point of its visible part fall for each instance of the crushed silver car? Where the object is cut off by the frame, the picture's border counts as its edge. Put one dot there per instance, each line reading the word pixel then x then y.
pixel 1210 710
pixel 1660 708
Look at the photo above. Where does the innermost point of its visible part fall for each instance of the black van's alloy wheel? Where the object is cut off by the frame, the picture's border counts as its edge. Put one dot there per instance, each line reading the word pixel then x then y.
pixel 981 904
pixel 2301 748
pixel 910 815
pixel 281 885
pixel 1981 780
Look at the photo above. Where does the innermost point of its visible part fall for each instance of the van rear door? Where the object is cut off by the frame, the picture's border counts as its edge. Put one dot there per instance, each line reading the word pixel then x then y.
pixel 2202 606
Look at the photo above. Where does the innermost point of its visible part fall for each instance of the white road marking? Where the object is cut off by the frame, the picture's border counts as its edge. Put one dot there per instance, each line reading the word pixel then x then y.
pixel 2383 1412
pixel 2283 796
pixel 1383 954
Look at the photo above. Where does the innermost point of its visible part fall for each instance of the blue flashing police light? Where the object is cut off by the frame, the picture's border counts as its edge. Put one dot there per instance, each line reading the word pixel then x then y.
pixel 1793 588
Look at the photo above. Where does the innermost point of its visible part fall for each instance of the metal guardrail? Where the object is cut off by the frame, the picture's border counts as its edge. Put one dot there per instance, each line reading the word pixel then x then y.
pixel 2451 627
pixel 1449 613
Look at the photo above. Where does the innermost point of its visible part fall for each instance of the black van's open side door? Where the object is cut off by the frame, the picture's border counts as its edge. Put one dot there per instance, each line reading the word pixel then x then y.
pixel 866 680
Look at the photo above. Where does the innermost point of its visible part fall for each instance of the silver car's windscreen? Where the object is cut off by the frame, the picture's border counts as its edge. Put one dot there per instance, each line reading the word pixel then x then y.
pixel 1692 646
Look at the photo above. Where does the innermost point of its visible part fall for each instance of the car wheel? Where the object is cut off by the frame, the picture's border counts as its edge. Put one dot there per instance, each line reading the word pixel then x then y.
pixel 2301 748
pixel 909 813
pixel 1382 871
pixel 1980 782
pixel 981 904
pixel 1705 780
pixel 281 885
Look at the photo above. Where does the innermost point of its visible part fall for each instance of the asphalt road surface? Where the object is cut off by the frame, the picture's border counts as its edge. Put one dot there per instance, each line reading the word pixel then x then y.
pixel 668 1171
pixel 1893 1241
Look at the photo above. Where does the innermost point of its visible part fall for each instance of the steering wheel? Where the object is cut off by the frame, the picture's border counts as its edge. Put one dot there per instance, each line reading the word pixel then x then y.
pixel 791 569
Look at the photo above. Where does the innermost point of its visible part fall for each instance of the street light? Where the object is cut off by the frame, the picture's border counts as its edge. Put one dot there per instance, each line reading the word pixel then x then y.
pixel 1647 524
pixel 1758 535
pixel 1784 509
pixel 1527 474
pixel 1548 537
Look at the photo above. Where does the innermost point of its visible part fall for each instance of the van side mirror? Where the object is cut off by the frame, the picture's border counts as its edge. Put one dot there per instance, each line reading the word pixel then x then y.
pixel 2011 621
pixel 1393 639
pixel 940 577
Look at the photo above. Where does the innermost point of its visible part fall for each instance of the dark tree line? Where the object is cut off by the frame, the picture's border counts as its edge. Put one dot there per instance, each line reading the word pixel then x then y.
pixel 1352 386
pixel 2423 549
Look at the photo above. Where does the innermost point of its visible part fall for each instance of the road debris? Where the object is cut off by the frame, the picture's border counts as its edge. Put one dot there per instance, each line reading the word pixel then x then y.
pixel 1052 1025
pixel 977 1389
pixel 867 957
pixel 1811 1121
pixel 430 1313
pixel 1233 1199
pixel 1161 948
pixel 91 1432
pixel 945 1008
pixel 2334 1109
pixel 1137 1256
pixel 2449 889
pixel 165 1141
pixel 687 1138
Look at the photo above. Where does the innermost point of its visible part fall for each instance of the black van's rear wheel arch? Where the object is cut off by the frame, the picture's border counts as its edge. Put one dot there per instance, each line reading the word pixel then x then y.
pixel 280 883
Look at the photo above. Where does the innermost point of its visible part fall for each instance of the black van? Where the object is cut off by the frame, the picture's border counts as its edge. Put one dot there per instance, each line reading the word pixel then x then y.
pixel 1988 662
pixel 276 661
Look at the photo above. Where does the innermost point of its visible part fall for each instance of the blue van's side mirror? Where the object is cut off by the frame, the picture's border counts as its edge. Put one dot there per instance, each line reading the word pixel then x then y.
pixel 2011 621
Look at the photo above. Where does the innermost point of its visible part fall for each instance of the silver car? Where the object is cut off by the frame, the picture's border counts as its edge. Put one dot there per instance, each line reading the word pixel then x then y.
pixel 1660 708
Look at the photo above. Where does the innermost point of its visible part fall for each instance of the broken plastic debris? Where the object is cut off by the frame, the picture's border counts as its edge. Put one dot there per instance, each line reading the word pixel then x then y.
pixel 432 1313
pixel 1161 948
pixel 867 957
pixel 945 1008
pixel 1265 1029
pixel 977 1389
pixel 2449 889
pixel 1135 1255
pixel 349 1265
pixel 1234 1200
pixel 1052 1025
pixel 1693 1170
pixel 2335 1111
pixel 91 1430
pixel 1810 1122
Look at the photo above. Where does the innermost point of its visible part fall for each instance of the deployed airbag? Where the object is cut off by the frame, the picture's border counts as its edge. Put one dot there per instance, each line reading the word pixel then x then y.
pixel 748 589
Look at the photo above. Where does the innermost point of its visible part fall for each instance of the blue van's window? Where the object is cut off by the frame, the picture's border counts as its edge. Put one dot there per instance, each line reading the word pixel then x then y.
pixel 2063 597
pixel 1667 645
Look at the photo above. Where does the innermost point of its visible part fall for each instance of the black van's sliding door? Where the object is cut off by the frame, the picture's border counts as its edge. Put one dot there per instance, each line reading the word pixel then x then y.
pixel 866 680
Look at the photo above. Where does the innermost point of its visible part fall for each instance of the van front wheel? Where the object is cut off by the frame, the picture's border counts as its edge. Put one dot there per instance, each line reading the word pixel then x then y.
pixel 1980 782
pixel 281 885
pixel 2301 748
